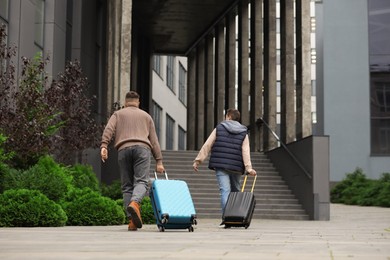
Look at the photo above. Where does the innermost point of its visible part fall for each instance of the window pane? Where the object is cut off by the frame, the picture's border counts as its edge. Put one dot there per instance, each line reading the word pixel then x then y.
pixel 169 133
pixel 157 64
pixel 379 50
pixel 182 139
pixel 4 9
pixel 170 72
pixel 156 115
pixel 182 85
pixel 39 22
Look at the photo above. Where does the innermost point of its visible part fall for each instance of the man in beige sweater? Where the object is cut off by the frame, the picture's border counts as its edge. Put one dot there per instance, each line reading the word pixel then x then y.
pixel 135 140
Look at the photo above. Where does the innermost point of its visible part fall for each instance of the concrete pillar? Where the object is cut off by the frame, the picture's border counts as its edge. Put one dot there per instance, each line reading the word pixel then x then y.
pixel 191 101
pixel 287 125
pixel 243 62
pixel 210 124
pixel 270 72
pixel 125 55
pixel 303 63
pixel 220 69
pixel 119 51
pixel 200 94
pixel 231 61
pixel 256 78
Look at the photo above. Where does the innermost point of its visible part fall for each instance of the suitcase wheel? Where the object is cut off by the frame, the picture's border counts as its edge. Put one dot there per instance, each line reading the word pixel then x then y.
pixel 165 218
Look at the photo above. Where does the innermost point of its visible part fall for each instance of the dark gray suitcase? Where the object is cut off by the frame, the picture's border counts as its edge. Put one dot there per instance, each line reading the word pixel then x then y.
pixel 239 207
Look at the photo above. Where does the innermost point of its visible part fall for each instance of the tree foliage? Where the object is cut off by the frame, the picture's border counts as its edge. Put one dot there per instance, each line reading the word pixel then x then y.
pixel 39 117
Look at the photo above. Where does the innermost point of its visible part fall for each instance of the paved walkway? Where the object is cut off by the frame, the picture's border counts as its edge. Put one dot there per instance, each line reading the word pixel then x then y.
pixel 352 233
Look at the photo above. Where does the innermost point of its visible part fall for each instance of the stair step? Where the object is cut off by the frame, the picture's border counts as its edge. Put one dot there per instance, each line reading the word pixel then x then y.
pixel 274 199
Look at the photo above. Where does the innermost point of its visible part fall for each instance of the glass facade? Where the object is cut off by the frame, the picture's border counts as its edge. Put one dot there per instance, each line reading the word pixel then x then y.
pixel 379 51
pixel 169 133
pixel 170 72
pixel 182 84
pixel 156 115
pixel 4 10
pixel 39 25
pixel 182 139
pixel 157 64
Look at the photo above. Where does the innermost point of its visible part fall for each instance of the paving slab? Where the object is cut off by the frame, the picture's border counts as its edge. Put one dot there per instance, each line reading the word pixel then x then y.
pixel 353 232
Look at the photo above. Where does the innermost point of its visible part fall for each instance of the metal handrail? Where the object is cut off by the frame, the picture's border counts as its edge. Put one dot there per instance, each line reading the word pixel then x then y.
pixel 286 148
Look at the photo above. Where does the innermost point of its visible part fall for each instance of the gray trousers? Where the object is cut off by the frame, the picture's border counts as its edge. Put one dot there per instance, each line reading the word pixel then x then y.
pixel 134 167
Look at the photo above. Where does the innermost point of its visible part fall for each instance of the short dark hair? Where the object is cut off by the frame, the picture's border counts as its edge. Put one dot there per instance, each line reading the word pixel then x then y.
pixel 234 114
pixel 132 95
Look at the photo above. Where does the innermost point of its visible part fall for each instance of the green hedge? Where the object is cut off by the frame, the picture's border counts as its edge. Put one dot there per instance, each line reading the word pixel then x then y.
pixel 73 193
pixel 46 176
pixel 357 189
pixel 29 208
pixel 85 207
pixel 84 176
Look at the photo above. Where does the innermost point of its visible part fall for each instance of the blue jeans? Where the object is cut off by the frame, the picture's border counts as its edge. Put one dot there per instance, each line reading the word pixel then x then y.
pixel 134 168
pixel 228 182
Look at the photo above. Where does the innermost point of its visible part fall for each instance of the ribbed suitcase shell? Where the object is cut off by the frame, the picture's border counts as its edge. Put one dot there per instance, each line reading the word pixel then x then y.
pixel 239 207
pixel 172 204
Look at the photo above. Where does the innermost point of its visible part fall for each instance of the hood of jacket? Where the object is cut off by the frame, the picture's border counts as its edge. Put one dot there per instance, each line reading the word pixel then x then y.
pixel 234 127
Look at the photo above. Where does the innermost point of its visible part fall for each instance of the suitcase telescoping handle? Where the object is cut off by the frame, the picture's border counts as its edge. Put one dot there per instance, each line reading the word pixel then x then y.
pixel 253 185
pixel 165 172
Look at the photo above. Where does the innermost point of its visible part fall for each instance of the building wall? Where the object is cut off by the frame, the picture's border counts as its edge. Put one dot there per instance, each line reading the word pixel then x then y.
pixel 345 86
pixel 168 100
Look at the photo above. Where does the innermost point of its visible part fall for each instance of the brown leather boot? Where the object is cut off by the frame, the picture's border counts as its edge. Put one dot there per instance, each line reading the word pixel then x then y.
pixel 131 227
pixel 134 210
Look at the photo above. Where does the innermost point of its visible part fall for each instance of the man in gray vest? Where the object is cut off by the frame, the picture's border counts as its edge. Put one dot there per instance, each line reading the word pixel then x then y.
pixel 230 154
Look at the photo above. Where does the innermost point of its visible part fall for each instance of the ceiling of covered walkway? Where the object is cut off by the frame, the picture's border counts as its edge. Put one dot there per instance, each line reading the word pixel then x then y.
pixel 175 26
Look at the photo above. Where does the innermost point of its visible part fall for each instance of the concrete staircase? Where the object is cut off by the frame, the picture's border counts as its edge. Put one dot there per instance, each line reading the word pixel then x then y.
pixel 274 200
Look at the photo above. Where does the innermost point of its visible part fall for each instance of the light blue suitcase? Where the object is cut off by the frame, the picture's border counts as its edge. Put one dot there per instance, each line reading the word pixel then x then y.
pixel 172 204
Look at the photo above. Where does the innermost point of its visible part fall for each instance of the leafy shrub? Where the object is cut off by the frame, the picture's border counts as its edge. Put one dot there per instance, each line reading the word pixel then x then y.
pixel 4 155
pixel 356 189
pixel 85 207
pixel 46 176
pixel 383 198
pixel 5 171
pixel 41 117
pixel 84 176
pixel 29 208
pixel 113 190
pixel 147 211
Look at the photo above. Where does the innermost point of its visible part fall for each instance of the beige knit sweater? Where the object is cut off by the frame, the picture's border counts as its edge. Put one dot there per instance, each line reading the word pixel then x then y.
pixel 132 126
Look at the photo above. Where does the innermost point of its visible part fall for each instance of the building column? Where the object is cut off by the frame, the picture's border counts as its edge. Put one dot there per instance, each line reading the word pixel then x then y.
pixel 243 62
pixel 270 73
pixel 191 101
pixel 287 124
pixel 303 63
pixel 200 94
pixel 119 51
pixel 125 55
pixel 256 79
pixel 210 124
pixel 220 73
pixel 230 61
